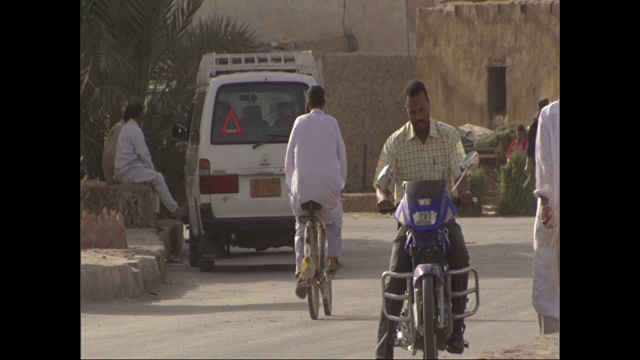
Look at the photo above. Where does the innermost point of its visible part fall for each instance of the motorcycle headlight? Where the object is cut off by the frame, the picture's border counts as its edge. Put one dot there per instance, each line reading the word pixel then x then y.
pixel 423 218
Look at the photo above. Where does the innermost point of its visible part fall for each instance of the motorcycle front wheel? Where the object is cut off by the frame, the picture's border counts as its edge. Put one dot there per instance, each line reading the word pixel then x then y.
pixel 429 322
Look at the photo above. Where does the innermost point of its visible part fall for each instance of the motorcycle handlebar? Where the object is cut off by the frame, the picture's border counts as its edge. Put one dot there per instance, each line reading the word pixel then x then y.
pixel 456 200
pixel 388 210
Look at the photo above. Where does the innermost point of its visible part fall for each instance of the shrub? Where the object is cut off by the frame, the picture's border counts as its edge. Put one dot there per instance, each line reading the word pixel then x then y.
pixel 500 140
pixel 479 190
pixel 512 198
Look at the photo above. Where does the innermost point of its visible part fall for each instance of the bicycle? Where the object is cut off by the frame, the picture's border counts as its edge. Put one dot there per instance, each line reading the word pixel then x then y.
pixel 315 263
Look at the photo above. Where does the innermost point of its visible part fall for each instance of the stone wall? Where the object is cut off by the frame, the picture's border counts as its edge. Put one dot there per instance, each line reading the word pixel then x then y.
pixel 134 202
pixel 364 93
pixel 381 26
pixel 458 41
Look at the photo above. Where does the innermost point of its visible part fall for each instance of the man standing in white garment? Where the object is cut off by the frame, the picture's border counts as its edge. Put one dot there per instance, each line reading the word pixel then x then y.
pixel 133 162
pixel 316 169
pixel 546 231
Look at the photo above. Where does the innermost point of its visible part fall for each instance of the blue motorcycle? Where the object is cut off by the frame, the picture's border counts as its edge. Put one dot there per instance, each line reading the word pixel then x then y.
pixel 426 319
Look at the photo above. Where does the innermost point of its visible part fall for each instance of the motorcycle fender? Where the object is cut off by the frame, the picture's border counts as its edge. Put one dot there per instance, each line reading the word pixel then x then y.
pixel 432 269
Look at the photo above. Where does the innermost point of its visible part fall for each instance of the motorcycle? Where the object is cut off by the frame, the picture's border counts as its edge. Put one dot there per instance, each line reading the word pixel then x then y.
pixel 426 319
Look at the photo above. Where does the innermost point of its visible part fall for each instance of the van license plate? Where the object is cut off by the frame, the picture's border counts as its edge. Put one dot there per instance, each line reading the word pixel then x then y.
pixel 265 187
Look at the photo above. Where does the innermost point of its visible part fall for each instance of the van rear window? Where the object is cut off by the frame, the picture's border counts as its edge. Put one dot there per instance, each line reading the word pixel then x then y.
pixel 250 112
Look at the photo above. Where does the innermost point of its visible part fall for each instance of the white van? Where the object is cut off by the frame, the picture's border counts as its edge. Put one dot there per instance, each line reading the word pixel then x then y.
pixel 237 133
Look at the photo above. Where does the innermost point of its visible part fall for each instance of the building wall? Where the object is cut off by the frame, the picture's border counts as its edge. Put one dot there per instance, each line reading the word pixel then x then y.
pixel 381 26
pixel 456 42
pixel 364 92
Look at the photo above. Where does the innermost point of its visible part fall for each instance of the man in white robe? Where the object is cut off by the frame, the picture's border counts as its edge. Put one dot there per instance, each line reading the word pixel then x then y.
pixel 316 169
pixel 133 164
pixel 546 232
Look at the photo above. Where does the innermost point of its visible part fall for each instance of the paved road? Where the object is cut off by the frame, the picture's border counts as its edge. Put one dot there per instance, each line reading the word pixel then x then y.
pixel 243 311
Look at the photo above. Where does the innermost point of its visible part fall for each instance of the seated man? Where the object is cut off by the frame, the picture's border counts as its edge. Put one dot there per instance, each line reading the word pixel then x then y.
pixel 133 162
pixel 109 151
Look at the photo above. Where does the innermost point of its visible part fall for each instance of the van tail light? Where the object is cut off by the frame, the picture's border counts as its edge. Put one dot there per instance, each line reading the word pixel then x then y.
pixel 216 184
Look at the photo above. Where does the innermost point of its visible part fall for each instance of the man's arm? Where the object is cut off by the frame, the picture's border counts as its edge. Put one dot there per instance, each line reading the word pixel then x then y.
pixel 384 199
pixel 531 137
pixel 289 158
pixel 140 147
pixel 342 156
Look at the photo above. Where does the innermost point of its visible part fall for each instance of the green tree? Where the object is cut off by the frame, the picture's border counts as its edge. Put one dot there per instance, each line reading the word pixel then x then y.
pixel 147 51
pixel 513 199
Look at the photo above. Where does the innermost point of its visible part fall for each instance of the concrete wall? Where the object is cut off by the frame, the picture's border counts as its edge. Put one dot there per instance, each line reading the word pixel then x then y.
pixel 457 42
pixel 364 93
pixel 381 26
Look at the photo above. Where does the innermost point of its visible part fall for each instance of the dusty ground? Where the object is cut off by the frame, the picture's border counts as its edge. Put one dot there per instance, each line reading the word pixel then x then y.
pixel 545 347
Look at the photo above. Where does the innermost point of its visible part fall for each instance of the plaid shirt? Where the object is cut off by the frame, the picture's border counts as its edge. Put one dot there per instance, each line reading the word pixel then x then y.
pixel 438 158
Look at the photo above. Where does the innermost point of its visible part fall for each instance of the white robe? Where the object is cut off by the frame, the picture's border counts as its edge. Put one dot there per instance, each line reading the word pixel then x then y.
pixel 546 280
pixel 316 164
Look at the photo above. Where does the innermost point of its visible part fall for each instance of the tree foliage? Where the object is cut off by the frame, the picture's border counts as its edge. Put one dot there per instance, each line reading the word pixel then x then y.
pixel 147 51
pixel 513 199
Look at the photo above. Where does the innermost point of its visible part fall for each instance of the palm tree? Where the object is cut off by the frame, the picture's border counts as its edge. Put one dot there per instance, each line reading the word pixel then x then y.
pixel 131 49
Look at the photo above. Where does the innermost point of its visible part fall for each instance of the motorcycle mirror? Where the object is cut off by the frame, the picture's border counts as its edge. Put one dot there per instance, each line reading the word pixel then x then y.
pixel 385 178
pixel 470 161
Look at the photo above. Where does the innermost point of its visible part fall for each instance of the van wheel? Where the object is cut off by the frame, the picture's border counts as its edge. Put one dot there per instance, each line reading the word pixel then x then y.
pixel 194 255
pixel 207 253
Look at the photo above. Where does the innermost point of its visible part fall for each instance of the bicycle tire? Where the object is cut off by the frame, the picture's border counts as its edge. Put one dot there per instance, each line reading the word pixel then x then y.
pixel 313 291
pixel 324 266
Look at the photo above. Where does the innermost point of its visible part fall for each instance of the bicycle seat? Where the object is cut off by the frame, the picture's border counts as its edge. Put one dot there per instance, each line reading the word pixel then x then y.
pixel 311 205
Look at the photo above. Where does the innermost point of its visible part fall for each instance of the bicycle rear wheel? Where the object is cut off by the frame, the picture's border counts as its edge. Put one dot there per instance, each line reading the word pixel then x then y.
pixel 324 266
pixel 313 291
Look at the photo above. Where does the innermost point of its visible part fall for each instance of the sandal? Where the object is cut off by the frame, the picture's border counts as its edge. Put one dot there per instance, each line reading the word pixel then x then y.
pixel 456 343
pixel 333 264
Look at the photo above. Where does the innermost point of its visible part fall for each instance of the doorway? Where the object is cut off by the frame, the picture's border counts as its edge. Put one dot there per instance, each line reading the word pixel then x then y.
pixel 497 96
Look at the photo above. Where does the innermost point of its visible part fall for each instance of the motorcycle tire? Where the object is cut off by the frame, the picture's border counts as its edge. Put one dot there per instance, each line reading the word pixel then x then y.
pixel 429 318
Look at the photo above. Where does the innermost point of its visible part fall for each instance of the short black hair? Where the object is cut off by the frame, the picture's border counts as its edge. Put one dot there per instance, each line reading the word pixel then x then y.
pixel 132 111
pixel 415 87
pixel 521 128
pixel 542 103
pixel 315 96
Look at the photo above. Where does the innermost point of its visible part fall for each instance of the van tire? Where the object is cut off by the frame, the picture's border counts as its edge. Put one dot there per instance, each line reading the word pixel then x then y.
pixel 194 255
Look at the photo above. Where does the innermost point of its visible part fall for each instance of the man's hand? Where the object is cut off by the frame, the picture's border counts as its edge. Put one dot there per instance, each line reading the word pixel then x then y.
pixel 384 199
pixel 466 198
pixel 384 203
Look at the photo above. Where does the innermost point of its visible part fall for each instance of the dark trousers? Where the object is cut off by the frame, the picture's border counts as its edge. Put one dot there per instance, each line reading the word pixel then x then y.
pixel 458 258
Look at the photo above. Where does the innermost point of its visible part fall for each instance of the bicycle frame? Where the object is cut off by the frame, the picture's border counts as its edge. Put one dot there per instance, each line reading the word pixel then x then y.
pixel 315 267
